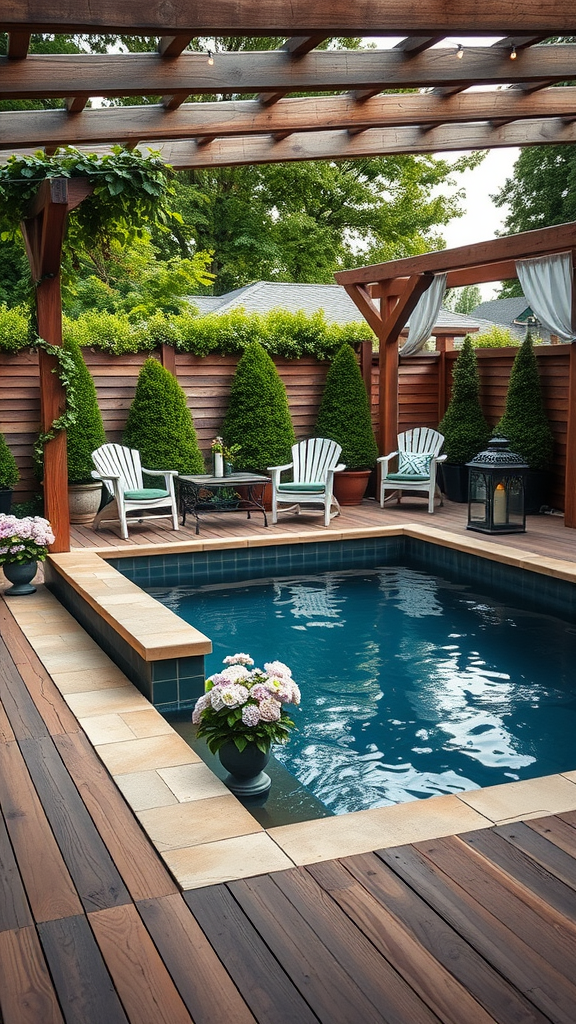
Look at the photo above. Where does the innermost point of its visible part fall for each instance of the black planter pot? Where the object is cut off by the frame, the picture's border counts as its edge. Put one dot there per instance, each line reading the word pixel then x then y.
pixel 5 500
pixel 246 777
pixel 453 479
pixel 537 494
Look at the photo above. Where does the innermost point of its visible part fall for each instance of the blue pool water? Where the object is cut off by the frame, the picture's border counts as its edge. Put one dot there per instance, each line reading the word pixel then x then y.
pixel 411 685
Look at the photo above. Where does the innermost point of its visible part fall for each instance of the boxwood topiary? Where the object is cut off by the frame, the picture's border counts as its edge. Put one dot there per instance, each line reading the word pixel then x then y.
pixel 524 422
pixel 344 413
pixel 9 474
pixel 464 428
pixel 87 433
pixel 160 424
pixel 258 418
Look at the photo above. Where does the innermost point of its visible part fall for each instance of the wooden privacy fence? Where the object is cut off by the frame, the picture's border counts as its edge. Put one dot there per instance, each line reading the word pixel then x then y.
pixel 424 390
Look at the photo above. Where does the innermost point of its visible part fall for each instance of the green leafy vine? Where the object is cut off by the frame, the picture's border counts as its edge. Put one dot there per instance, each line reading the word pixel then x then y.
pixel 67 372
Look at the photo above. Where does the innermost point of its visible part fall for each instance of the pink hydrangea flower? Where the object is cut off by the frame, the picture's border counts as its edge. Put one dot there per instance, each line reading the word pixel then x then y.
pixel 202 703
pixel 277 668
pixel 251 715
pixel 232 696
pixel 280 689
pixel 270 710
pixel 235 672
pixel 260 692
pixel 238 659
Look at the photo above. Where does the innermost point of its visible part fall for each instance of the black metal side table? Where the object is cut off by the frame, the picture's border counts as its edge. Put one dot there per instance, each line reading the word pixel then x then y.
pixel 203 495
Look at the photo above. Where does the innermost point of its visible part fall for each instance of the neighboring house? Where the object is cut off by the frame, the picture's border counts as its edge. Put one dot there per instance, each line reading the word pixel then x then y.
pixel 335 303
pixel 514 314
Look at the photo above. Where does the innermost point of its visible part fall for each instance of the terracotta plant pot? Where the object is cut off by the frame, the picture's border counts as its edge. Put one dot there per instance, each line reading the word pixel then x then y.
pixel 350 486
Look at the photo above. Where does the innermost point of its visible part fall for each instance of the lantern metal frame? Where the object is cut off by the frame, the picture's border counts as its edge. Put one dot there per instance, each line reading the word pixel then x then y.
pixel 496 490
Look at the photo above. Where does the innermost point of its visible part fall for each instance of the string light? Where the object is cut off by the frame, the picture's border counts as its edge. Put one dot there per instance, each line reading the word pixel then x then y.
pixel 210 58
pixel 513 53
pixel 459 51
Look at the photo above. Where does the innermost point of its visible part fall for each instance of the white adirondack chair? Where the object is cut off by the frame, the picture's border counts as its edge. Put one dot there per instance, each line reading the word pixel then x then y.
pixel 120 470
pixel 313 465
pixel 418 458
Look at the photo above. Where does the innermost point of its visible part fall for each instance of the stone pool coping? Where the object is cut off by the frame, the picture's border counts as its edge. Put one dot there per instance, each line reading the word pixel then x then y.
pixel 201 830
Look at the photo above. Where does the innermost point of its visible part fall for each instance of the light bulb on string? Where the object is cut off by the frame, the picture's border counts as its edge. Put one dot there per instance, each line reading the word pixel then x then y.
pixel 459 51
pixel 210 58
pixel 513 53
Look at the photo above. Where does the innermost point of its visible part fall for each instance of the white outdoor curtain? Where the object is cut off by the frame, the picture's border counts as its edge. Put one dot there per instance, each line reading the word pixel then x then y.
pixel 423 319
pixel 547 284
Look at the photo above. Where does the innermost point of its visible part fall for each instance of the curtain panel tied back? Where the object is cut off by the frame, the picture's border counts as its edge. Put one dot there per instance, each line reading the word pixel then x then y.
pixel 424 316
pixel 547 283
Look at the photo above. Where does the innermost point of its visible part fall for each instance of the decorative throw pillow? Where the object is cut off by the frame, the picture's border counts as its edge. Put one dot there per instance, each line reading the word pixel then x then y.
pixel 413 464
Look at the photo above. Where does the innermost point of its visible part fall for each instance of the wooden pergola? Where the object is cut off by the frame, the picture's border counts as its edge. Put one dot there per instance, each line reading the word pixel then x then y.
pixel 387 293
pixel 523 104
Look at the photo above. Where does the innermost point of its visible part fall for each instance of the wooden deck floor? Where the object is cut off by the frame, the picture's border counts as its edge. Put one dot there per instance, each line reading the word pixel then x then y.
pixel 463 930
pixel 545 534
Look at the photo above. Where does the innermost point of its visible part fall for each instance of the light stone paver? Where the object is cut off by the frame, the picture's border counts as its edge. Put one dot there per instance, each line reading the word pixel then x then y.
pixel 201 821
pixel 106 729
pixel 212 863
pixel 83 680
pixel 145 754
pixel 530 798
pixel 344 835
pixel 193 782
pixel 144 790
pixel 102 702
pixel 147 722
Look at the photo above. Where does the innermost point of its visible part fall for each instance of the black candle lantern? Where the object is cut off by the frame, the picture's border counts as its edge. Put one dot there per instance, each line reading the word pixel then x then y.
pixel 496 490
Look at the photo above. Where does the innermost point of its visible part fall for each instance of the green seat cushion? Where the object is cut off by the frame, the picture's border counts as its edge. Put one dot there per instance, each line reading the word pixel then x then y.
pixel 407 478
pixel 311 488
pixel 146 494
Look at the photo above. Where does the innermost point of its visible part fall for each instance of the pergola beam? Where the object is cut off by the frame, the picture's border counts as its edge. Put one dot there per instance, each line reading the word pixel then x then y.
pixel 276 17
pixel 246 117
pixel 18 44
pixel 138 74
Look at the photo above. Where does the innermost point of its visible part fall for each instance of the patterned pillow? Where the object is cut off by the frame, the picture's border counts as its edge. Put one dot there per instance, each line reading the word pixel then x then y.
pixel 413 464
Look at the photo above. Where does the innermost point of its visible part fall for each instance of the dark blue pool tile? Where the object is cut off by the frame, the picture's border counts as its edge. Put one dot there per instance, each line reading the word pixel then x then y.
pixel 162 670
pixel 165 693
pixel 189 690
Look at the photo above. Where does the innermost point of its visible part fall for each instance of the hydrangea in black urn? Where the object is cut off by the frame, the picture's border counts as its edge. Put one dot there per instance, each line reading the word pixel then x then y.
pixel 496 490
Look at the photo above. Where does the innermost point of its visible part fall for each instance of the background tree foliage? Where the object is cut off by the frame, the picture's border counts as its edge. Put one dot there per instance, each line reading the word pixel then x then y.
pixel 462 300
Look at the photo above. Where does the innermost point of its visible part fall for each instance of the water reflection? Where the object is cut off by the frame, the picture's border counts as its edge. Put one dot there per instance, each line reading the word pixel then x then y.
pixel 411 685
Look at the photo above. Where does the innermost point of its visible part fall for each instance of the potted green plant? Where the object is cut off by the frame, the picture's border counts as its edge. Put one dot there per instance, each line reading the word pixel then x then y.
pixel 463 425
pixel 83 437
pixel 242 714
pixel 344 416
pixel 257 421
pixel 9 475
pixel 160 425
pixel 526 426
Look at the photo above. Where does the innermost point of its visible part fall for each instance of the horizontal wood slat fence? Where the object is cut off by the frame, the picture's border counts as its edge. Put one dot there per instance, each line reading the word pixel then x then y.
pixel 424 390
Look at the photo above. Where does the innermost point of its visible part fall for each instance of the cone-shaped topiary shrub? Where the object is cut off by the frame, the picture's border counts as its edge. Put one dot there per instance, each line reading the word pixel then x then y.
pixel 344 413
pixel 464 428
pixel 9 474
pixel 159 423
pixel 258 418
pixel 87 433
pixel 524 422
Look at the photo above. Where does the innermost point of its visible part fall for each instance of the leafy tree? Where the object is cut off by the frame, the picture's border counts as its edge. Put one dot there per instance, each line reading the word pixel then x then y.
pixel 524 422
pixel 464 428
pixel 258 417
pixel 87 433
pixel 496 337
pixel 463 300
pixel 344 413
pixel 160 424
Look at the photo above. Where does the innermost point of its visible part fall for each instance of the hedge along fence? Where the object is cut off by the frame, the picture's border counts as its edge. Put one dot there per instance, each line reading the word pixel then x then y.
pixel 424 384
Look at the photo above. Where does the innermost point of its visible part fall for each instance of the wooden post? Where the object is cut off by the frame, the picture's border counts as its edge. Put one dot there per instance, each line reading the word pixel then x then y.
pixel 168 358
pixel 43 230
pixel 366 367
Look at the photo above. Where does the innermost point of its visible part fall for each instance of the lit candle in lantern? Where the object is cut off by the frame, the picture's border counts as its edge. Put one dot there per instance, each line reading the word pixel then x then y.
pixel 499 504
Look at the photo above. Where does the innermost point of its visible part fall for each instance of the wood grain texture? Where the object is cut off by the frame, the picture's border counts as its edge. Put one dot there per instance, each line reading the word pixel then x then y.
pixel 26 992
pixel 246 955
pixel 14 909
pixel 79 974
pixel 207 990
pixel 141 979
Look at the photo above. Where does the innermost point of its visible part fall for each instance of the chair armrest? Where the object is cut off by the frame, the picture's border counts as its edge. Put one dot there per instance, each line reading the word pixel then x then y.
pixel 104 476
pixel 384 460
pixel 339 468
pixel 160 472
pixel 276 471
pixel 440 458
pixel 271 469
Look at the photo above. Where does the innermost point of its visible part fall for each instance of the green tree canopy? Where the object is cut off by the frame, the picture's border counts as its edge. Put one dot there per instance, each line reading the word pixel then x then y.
pixel 462 300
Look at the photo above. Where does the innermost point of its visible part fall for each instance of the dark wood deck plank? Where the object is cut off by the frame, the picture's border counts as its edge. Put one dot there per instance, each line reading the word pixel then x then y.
pixel 259 977
pixel 89 862
pixel 27 995
pixel 432 957
pixel 504 950
pixel 512 904
pixel 138 863
pixel 142 981
pixel 48 884
pixel 529 873
pixel 14 909
pixel 314 954
pixel 393 970
pixel 539 848
pixel 207 989
pixel 557 831
pixel 80 977
pixel 23 715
